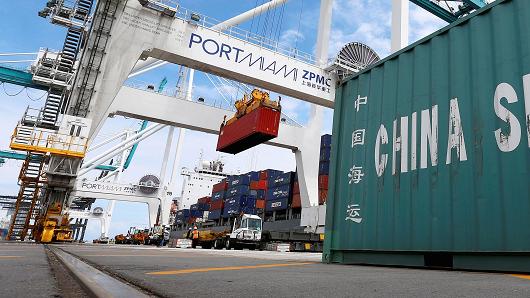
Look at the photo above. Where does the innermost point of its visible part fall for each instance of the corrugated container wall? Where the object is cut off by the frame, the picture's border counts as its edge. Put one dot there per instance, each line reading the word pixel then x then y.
pixel 430 162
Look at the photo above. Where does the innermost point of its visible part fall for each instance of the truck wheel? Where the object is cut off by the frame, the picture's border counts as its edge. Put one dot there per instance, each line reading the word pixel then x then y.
pixel 218 244
pixel 229 245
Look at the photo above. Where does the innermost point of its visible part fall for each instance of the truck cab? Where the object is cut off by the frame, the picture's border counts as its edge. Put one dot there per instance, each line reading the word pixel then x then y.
pixel 246 232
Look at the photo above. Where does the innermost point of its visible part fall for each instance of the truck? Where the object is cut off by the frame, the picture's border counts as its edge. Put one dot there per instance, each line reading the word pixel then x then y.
pixel 156 235
pixel 244 232
pixel 247 231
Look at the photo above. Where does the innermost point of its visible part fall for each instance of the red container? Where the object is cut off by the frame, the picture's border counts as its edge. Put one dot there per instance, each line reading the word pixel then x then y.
pixel 297 201
pixel 250 130
pixel 217 205
pixel 260 204
pixel 204 200
pixel 296 188
pixel 223 185
pixel 323 182
pixel 322 196
pixel 191 220
pixel 257 185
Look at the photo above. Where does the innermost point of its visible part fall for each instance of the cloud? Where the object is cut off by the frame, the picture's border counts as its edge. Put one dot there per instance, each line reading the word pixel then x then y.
pixel 369 22
pixel 291 37
pixel 366 21
pixel 423 23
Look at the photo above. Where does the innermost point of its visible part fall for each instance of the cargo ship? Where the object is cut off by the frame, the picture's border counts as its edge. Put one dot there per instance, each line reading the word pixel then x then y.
pixel 271 195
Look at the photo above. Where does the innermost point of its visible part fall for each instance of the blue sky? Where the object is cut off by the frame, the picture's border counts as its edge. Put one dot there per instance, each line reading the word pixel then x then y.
pixel 367 21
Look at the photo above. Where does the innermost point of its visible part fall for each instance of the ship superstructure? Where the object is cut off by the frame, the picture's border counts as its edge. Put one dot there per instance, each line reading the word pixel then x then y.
pixel 197 183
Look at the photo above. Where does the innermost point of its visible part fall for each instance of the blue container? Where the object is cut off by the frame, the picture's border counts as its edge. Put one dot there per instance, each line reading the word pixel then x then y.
pixel 199 207
pixel 269 174
pixel 197 213
pixel 248 210
pixel 214 214
pixel 325 141
pixel 240 190
pixel 238 180
pixel 231 210
pixel 241 201
pixel 253 176
pixel 283 179
pixel 180 220
pixel 279 192
pixel 260 194
pixel 325 153
pixel 323 168
pixel 278 204
pixel 183 213
pixel 218 195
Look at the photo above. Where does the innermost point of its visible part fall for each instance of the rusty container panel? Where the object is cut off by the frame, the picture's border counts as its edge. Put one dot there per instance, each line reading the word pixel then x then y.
pixel 431 150
pixel 252 129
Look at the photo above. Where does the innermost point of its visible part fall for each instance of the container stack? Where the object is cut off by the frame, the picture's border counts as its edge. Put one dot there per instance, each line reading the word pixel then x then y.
pixel 259 188
pixel 272 194
pixel 297 201
pixel 239 204
pixel 323 169
pixel 217 200
pixel 238 197
pixel 182 216
pixel 279 193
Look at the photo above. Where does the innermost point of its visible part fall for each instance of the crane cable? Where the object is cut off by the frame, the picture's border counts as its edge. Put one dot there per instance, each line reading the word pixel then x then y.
pixel 35 99
pixel 12 95
pixel 22 90
pixel 299 23
pixel 265 23
pixel 253 16
pixel 279 27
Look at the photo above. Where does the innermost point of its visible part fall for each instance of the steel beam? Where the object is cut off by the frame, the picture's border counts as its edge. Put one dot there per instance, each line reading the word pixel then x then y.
pixel 12 155
pixel 180 112
pixel 292 74
pixel 19 77
pixel 435 10
pixel 151 63
pixel 21 156
pixel 476 4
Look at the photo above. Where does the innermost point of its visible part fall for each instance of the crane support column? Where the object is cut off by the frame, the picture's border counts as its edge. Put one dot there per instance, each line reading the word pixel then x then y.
pixel 308 155
pixel 400 24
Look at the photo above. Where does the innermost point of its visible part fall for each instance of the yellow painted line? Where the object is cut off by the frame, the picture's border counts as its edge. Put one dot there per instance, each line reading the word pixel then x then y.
pixel 168 255
pixel 195 270
pixel 164 256
pixel 523 276
pixel 10 257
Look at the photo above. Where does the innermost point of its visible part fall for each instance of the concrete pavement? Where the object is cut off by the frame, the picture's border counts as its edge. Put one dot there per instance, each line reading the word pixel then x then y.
pixel 25 271
pixel 205 273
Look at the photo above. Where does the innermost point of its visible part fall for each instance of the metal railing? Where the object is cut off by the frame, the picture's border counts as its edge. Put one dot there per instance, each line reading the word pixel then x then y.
pixel 18 61
pixel 47 141
pixel 237 32
pixel 46 69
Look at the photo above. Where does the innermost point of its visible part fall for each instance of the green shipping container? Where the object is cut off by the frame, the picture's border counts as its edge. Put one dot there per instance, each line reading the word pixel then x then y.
pixel 431 151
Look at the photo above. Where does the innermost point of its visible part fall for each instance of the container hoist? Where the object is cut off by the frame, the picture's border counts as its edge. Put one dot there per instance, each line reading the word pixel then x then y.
pixel 256 120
